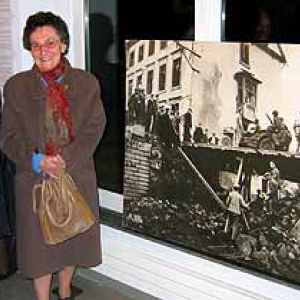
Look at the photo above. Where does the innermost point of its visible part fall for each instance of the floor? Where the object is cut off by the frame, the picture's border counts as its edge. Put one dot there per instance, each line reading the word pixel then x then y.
pixel 16 287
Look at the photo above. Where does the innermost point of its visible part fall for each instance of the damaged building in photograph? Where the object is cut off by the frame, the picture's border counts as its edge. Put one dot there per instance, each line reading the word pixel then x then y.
pixel 227 85
pixel 209 124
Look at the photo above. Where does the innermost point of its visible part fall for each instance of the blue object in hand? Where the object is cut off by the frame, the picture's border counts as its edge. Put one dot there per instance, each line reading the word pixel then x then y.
pixel 36 160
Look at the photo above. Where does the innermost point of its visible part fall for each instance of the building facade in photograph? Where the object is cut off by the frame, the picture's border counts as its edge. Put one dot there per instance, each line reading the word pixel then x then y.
pixel 227 86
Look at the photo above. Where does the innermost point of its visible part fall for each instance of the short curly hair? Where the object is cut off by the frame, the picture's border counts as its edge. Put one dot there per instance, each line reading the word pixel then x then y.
pixel 41 19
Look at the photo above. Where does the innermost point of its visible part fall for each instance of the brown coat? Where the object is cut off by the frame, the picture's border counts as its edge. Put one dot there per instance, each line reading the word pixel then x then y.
pixel 22 132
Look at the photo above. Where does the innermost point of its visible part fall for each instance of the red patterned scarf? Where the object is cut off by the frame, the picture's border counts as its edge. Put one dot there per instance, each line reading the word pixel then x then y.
pixel 59 125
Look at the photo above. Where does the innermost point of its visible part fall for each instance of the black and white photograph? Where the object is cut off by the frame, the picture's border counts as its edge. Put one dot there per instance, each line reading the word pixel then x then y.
pixel 212 150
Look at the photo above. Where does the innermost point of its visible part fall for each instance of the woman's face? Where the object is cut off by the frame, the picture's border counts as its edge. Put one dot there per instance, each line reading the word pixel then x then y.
pixel 46 47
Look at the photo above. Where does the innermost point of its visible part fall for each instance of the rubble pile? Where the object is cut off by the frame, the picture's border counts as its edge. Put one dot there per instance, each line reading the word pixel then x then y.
pixel 174 211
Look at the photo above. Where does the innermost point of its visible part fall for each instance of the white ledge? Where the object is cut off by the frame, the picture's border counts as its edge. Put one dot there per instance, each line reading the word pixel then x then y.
pixel 171 274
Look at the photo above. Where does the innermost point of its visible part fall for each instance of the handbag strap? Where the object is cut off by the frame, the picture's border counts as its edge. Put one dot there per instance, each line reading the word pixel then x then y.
pixel 62 188
pixel 34 192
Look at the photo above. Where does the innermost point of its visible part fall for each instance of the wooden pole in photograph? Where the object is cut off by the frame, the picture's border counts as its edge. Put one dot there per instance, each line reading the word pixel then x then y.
pixel 206 184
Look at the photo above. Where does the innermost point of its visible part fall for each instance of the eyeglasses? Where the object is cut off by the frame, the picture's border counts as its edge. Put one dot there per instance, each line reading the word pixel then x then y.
pixel 49 44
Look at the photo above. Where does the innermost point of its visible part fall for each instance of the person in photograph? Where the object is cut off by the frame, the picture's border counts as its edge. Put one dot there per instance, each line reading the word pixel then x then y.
pixel 275 121
pixel 296 128
pixel 234 202
pixel 240 127
pixel 198 135
pixel 214 140
pixel 132 107
pixel 151 113
pixel 164 127
pixel 284 136
pixel 140 107
pixel 260 202
pixel 187 125
pixel 205 136
pixel 53 120
pixel 274 171
pixel 176 127
pixel 272 176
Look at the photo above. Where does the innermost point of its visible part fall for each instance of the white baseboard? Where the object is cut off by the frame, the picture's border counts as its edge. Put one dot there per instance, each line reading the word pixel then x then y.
pixel 170 274
pixel 110 200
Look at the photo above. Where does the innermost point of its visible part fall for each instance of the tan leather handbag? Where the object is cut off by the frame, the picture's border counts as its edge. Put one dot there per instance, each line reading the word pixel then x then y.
pixel 62 210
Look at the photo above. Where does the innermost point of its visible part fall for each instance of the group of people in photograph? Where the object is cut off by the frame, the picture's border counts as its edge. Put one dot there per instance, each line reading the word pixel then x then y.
pixel 175 128
pixel 266 226
pixel 165 121
pixel 275 195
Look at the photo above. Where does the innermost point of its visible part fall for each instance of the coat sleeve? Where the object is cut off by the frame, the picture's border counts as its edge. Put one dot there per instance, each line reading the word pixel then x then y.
pixel 82 148
pixel 13 142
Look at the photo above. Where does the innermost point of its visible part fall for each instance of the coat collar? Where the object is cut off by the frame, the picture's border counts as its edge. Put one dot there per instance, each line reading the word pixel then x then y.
pixel 36 88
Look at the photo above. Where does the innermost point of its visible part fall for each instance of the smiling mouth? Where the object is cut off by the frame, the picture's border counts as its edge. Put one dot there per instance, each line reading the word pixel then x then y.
pixel 45 59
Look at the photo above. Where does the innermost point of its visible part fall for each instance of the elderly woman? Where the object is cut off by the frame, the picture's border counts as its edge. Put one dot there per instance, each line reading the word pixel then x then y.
pixel 53 119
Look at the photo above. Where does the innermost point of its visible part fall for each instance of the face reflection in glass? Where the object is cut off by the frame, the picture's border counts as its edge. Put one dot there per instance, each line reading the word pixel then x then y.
pixel 263 28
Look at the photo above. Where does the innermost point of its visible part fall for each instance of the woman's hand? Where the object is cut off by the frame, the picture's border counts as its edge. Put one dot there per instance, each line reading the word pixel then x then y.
pixel 52 165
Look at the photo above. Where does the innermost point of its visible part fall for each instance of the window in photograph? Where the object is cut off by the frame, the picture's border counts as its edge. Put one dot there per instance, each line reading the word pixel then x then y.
pixel 141 53
pixel 176 72
pixel 163 44
pixel 245 54
pixel 247 93
pixel 149 88
pixel 162 77
pixel 139 81
pixel 130 87
pixel 131 59
pixel 151 48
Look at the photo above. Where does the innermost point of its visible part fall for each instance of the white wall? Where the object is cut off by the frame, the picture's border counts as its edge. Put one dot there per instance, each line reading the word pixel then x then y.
pixel 162 271
pixel 70 11
pixel 208 20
